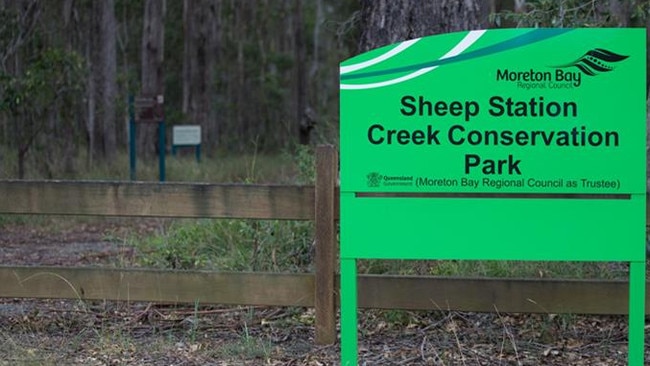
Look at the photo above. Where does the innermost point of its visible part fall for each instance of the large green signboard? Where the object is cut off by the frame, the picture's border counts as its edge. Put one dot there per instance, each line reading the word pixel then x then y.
pixel 523 144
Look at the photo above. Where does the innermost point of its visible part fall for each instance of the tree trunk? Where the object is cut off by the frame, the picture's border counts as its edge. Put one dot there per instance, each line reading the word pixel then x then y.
pixel 304 119
pixel 102 82
pixel 620 11
pixel 21 162
pixel 188 46
pixel 152 78
pixel 108 70
pixel 90 109
pixel 201 26
pixel 384 21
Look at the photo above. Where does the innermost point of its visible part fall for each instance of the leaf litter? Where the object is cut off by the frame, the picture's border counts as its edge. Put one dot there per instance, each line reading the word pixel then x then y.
pixel 72 332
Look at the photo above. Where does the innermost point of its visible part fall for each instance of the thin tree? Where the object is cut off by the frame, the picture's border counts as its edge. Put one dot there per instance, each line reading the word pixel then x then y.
pixel 304 118
pixel 152 78
pixel 201 27
pixel 104 70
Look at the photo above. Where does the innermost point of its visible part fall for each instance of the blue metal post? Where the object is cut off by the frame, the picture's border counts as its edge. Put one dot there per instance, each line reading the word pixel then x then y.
pixel 198 153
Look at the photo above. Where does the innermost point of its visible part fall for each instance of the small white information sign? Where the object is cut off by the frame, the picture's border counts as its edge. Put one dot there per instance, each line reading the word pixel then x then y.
pixel 186 135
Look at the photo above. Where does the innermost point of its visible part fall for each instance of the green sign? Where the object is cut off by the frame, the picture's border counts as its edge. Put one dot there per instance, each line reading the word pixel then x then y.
pixel 521 144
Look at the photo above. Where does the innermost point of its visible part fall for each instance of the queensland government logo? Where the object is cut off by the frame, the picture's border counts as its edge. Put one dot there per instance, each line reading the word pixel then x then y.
pixel 375 179
pixel 566 76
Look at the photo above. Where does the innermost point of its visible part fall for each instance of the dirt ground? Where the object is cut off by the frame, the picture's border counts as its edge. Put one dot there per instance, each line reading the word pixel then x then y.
pixel 71 332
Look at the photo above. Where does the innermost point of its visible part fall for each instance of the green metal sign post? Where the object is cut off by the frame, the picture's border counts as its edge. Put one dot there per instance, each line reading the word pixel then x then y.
pixel 515 144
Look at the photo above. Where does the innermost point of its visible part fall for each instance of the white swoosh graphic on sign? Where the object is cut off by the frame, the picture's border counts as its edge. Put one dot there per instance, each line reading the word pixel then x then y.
pixel 467 41
pixel 362 65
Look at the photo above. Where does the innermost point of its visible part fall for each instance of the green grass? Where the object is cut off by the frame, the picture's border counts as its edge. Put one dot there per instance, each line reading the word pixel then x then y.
pixel 35 220
pixel 290 166
pixel 229 245
pixel 287 246
pixel 246 347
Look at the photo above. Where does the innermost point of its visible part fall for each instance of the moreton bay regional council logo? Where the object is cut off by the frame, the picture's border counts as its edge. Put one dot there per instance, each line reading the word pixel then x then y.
pixel 374 179
pixel 595 61
pixel 565 76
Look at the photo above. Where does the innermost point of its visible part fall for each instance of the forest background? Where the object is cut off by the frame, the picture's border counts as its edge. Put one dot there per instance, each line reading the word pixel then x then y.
pixel 259 76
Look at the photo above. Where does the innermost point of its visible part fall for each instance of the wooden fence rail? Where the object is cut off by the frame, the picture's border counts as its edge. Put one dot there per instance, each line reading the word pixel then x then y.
pixel 193 200
pixel 283 289
pixel 317 289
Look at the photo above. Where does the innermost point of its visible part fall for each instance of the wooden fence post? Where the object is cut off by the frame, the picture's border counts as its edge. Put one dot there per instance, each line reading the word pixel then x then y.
pixel 326 178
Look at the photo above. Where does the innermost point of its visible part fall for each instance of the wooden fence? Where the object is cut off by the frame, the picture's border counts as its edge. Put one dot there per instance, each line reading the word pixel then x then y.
pixel 317 289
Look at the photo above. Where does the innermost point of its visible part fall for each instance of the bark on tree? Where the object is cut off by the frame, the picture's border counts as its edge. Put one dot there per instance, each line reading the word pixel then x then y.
pixel 107 68
pixel 201 41
pixel 11 61
pixel 109 72
pixel 152 77
pixel 70 20
pixel 620 10
pixel 29 12
pixel 384 21
pixel 305 120
pixel 90 116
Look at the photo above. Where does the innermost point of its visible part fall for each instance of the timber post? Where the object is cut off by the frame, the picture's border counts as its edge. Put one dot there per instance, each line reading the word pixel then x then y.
pixel 324 301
